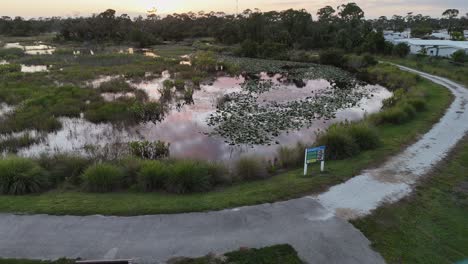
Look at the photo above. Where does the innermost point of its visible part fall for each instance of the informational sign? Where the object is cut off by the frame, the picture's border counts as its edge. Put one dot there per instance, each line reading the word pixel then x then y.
pixel 313 155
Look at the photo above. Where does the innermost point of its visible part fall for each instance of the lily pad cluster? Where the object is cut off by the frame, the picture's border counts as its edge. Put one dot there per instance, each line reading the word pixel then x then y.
pixel 242 120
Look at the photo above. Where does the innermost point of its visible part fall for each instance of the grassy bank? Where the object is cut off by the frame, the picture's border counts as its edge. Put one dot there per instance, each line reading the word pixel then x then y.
pixel 281 187
pixel 431 225
pixel 279 254
pixel 437 66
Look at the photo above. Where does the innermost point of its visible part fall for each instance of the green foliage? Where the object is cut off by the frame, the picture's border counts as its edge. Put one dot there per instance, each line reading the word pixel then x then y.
pixel 365 136
pixel 179 84
pixel 64 167
pixel 333 57
pixel 418 104
pixel 117 111
pixel 150 150
pixel 13 144
pixel 188 177
pixel 204 61
pixel 153 175
pixel 460 56
pixel 9 68
pixel 291 157
pixel 20 176
pixel 250 168
pixel 401 50
pixel 118 85
pixel 386 75
pixel 148 112
pixel 11 53
pixel 279 254
pixel 339 142
pixel 102 178
pixel 398 95
pixel 395 115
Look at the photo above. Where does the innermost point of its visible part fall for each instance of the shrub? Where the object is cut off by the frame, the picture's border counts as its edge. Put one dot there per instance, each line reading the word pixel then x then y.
pixel 365 136
pixel 333 57
pixel 409 110
pixel 340 144
pixel 11 53
pixel 149 112
pixel 188 96
pixel 153 175
pixel 9 68
pixel 179 84
pixel 460 56
pixel 418 104
pixel 130 167
pixel 196 81
pixel 103 178
pixel 21 176
pixel 118 85
pixel 395 115
pixel 291 157
pixel 188 176
pixel 401 50
pixel 219 173
pixel 397 96
pixel 64 167
pixel 150 150
pixel 250 168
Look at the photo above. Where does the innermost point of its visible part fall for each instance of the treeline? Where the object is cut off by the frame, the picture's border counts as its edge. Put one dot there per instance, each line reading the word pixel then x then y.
pixel 260 33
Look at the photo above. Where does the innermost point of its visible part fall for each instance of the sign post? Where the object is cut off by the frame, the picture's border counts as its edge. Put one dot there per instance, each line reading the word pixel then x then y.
pixel 314 155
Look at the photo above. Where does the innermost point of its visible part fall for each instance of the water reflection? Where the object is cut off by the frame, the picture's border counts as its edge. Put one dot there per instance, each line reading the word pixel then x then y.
pixel 185 126
pixel 33 68
pixel 38 49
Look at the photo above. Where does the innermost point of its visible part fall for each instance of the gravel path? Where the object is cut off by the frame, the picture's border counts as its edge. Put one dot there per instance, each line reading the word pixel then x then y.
pixel 315 226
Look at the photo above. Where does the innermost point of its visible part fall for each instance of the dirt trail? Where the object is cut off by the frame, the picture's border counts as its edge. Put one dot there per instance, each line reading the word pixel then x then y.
pixel 315 226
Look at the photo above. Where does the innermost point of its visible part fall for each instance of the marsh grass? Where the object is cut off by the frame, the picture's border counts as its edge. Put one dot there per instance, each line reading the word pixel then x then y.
pixel 20 176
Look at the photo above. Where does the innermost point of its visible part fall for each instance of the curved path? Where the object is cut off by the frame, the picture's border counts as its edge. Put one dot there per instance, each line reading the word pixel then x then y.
pixel 315 226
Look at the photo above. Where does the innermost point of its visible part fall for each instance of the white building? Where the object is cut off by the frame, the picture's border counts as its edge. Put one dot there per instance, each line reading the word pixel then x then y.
pixel 393 36
pixel 441 34
pixel 442 48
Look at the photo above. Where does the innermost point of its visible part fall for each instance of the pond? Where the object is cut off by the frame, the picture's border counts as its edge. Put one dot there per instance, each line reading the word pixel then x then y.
pixel 196 130
pixel 36 49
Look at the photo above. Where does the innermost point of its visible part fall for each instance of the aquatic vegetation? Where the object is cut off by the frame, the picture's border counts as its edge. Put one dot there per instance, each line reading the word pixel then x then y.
pixel 149 150
pixel 9 68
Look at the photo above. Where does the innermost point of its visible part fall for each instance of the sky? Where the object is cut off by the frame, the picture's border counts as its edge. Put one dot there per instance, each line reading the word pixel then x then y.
pixel 372 8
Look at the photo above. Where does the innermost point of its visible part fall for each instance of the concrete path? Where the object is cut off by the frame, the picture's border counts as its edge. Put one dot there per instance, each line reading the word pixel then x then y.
pixel 315 226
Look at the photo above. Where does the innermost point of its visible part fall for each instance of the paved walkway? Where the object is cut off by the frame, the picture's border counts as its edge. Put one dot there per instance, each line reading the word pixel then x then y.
pixel 315 226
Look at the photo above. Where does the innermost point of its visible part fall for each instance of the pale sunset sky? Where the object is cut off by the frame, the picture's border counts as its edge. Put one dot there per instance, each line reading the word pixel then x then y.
pixel 372 8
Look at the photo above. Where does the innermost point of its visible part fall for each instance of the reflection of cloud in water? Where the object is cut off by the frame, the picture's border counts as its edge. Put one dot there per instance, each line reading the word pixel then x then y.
pixel 33 68
pixel 185 127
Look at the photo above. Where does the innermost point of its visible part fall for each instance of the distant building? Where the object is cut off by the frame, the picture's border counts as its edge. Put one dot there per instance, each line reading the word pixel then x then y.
pixel 393 36
pixel 441 48
pixel 441 34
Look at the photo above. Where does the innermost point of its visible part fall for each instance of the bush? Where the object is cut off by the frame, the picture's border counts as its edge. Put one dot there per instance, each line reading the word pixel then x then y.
pixel 131 167
pixel 149 112
pixel 339 142
pixel 179 84
pixel 150 150
pixel 460 56
pixel 219 173
pixel 118 85
pixel 64 167
pixel 365 136
pixel 291 157
pixel 103 178
pixel 188 177
pixel 418 104
pixel 9 68
pixel 250 168
pixel 395 115
pixel 333 57
pixel 21 176
pixel 11 53
pixel 401 50
pixel 153 175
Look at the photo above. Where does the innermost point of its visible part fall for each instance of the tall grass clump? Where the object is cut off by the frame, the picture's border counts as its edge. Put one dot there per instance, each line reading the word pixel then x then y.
pixel 64 167
pixel 118 85
pixel 250 168
pixel 188 177
pixel 103 178
pixel 365 136
pixel 340 144
pixel 291 157
pixel 153 175
pixel 21 176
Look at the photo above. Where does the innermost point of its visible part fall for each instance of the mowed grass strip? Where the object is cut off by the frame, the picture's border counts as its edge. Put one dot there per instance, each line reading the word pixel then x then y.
pixel 431 226
pixel 284 186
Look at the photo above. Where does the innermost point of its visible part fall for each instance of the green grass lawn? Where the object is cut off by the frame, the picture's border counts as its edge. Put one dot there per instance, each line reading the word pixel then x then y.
pixel 281 187
pixel 437 66
pixel 431 226
pixel 279 254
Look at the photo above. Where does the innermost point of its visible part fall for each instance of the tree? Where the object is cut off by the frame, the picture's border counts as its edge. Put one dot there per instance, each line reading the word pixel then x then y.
pixel 350 12
pixel 326 14
pixel 460 56
pixel 401 50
